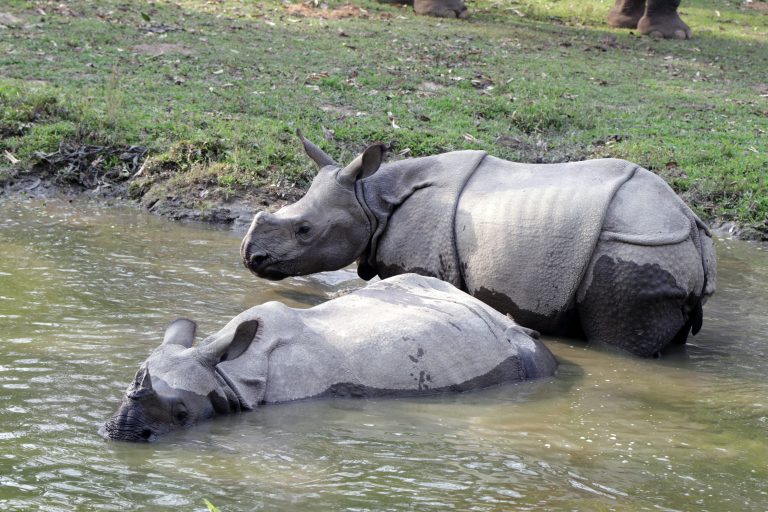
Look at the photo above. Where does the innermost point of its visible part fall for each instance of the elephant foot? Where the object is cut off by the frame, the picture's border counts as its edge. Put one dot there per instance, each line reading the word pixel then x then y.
pixel 668 26
pixel 661 20
pixel 626 13
pixel 441 8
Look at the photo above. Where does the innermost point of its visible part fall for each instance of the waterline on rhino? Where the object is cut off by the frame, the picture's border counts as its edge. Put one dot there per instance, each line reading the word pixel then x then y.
pixel 405 336
pixel 601 248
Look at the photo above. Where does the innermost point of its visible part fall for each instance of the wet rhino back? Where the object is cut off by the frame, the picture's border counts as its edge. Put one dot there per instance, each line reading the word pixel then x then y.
pixel 410 335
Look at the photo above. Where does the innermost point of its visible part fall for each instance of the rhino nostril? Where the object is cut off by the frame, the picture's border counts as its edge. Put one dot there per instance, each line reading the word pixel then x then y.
pixel 257 259
pixel 146 434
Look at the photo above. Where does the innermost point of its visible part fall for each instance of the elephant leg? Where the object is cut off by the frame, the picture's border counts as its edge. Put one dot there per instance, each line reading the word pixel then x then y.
pixel 642 299
pixel 662 20
pixel 441 8
pixel 626 13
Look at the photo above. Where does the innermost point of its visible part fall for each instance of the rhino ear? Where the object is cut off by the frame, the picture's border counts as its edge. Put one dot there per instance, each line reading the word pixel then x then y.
pixel 180 332
pixel 226 349
pixel 317 155
pixel 367 163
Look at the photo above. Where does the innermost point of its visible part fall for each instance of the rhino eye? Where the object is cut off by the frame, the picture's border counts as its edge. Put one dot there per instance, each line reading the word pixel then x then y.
pixel 303 230
pixel 180 413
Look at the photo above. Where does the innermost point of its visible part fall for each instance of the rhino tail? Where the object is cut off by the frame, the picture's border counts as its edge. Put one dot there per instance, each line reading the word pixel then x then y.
pixel 693 309
pixel 708 259
pixel 697 318
pixel 694 319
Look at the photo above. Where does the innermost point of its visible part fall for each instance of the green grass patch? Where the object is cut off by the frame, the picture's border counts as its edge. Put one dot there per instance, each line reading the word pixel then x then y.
pixel 216 90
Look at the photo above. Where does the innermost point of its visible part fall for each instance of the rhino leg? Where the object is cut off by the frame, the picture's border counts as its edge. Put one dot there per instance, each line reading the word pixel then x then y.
pixel 642 298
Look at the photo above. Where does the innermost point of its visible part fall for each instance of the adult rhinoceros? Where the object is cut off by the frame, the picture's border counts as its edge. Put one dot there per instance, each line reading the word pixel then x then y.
pixel 602 247
pixel 409 335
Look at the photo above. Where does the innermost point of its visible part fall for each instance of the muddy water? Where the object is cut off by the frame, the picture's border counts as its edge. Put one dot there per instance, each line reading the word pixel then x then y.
pixel 85 293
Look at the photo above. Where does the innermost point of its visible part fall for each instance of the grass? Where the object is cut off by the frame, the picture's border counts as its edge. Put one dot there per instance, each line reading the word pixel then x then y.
pixel 216 89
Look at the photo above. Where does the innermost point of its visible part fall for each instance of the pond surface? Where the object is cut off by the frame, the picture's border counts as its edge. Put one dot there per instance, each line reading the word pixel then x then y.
pixel 86 292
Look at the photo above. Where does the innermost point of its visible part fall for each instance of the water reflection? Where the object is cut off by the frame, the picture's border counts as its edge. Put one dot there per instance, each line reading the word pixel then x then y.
pixel 85 294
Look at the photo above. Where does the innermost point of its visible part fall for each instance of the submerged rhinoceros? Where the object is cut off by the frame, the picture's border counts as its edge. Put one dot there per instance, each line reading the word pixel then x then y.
pixel 409 335
pixel 601 248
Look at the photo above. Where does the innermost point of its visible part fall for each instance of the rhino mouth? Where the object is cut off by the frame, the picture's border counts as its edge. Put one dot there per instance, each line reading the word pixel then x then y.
pixel 271 274
pixel 265 267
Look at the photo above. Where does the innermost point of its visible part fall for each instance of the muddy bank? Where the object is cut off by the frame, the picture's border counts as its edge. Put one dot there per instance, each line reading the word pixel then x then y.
pixel 199 201
pixel 237 211
pixel 124 174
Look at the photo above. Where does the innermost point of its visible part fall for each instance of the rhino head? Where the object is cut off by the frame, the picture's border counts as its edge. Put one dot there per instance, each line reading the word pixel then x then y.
pixel 178 386
pixel 325 230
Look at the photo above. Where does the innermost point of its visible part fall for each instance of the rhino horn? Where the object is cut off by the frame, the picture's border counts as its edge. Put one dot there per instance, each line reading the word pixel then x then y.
pixel 180 332
pixel 315 153
pixel 141 385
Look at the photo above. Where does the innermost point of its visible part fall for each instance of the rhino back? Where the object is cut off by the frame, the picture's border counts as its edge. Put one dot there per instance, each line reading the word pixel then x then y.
pixel 404 336
pixel 526 233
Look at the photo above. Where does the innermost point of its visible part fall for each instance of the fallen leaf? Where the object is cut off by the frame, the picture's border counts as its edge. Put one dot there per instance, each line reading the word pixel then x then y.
pixel 391 118
pixel 10 157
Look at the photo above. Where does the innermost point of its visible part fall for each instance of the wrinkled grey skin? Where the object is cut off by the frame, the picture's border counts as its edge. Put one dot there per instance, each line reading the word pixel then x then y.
pixel 405 336
pixel 601 249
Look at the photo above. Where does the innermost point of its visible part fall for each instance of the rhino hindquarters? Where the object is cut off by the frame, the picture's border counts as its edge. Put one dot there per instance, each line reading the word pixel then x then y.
pixel 642 298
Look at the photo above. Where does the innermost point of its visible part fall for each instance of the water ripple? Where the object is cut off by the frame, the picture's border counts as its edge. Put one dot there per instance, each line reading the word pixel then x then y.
pixel 609 432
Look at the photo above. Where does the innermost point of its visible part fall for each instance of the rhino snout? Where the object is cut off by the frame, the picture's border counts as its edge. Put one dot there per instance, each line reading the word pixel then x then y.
pixel 254 257
pixel 128 426
pixel 252 254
